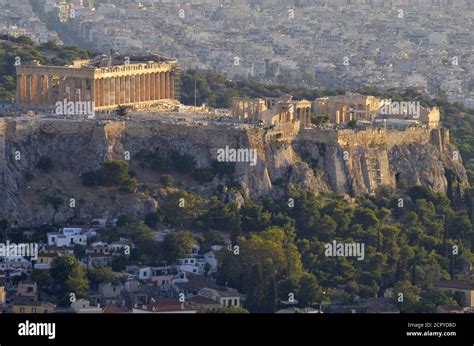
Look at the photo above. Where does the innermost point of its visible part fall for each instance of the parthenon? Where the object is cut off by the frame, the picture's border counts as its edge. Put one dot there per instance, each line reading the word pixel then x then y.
pixel 106 81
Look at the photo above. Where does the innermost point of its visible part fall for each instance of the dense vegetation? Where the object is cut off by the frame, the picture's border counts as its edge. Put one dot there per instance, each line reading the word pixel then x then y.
pixel 112 173
pixel 408 246
pixel 278 247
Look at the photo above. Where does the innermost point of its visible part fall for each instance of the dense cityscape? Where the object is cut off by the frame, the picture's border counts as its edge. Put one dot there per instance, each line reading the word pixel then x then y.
pixel 389 44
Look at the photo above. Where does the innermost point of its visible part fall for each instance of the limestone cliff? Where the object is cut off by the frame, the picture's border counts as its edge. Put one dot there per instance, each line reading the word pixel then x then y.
pixel 319 160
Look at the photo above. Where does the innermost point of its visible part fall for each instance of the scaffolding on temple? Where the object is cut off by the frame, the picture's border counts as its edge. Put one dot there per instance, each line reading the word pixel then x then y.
pixel 177 84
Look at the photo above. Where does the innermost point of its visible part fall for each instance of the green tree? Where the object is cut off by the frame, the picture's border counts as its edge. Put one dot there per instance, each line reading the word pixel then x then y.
pixel 166 180
pixel 119 262
pixel 77 282
pixel 153 219
pixel 431 298
pixel 365 217
pixel 69 277
pixel 309 292
pixel 180 208
pixel 406 296
pixel 178 245
pixel 253 218
pixel 256 290
pixel 270 298
pixel 98 275
pixel 41 277
pixel 233 310
pixel 115 172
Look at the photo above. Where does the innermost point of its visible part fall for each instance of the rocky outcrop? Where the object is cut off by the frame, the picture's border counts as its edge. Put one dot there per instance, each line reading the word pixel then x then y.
pixel 321 161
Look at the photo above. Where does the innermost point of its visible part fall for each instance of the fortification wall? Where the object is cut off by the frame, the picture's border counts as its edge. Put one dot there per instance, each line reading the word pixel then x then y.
pixel 374 137
pixel 318 135
pixel 383 137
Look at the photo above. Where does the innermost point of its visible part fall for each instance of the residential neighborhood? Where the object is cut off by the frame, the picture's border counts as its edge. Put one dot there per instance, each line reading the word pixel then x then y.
pixel 186 286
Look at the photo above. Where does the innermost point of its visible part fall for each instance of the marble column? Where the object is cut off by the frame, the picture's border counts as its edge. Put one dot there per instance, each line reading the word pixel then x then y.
pixel 101 92
pixel 137 89
pixel 83 95
pixel 93 92
pixel 50 96
pixel 19 82
pixel 142 88
pixel 147 87
pixel 28 88
pixel 127 89
pixel 107 91
pixel 172 86
pixel 157 86
pixel 39 89
pixel 133 88
pixel 113 91
pixel 117 90
pixel 61 89
pixel 123 90
pixel 152 86
pixel 168 85
pixel 162 86
pixel 96 92
pixel 69 88
pixel 45 88
pixel 34 89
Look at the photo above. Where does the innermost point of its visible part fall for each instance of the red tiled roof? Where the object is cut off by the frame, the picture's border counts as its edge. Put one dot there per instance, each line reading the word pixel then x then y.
pixel 168 305
pixel 112 309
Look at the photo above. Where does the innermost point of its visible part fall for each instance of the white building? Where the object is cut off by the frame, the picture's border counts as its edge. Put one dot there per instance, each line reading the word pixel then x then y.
pixel 82 306
pixel 67 237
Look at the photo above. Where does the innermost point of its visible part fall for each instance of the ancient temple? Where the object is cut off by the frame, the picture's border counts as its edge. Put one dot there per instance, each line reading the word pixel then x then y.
pixel 106 81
